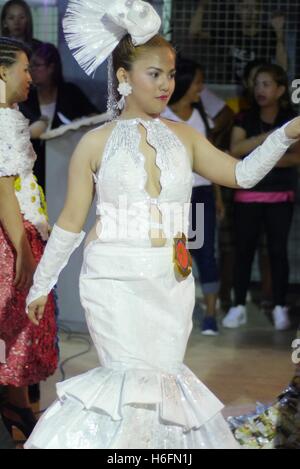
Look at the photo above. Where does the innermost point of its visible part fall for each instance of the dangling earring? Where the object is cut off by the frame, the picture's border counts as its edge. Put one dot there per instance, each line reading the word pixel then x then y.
pixel 124 90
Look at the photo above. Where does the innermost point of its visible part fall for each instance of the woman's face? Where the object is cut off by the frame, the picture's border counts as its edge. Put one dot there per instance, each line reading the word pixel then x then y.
pixel 266 91
pixel 249 11
pixel 40 71
pixel 152 78
pixel 193 93
pixel 16 21
pixel 18 80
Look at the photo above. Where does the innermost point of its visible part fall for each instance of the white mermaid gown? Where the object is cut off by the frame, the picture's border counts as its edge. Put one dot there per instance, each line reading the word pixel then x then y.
pixel 139 315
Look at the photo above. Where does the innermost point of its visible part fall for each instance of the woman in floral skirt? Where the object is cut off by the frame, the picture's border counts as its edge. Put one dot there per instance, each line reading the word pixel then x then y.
pixel 30 352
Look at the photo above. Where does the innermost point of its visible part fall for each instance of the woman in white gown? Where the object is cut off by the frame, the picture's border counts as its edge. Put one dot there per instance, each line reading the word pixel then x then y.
pixel 138 296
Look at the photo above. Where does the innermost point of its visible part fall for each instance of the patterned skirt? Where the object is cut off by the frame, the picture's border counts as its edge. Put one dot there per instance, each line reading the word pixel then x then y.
pixel 30 353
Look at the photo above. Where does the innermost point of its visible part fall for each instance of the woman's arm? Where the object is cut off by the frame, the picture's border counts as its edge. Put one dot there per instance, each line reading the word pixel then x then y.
pixel 291 158
pixel 225 170
pixel 211 163
pixel 278 23
pixel 66 235
pixel 12 222
pixel 240 145
pixel 80 191
pixel 38 127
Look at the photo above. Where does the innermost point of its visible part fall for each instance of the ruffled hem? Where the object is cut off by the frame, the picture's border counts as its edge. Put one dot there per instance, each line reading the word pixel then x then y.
pixel 133 409
pixel 69 426
pixel 181 398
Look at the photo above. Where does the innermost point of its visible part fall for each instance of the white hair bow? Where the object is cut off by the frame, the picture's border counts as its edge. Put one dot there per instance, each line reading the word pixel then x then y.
pixel 93 28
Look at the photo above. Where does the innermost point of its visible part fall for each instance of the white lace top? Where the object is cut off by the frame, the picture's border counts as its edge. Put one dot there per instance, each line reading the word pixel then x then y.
pixel 123 204
pixel 17 158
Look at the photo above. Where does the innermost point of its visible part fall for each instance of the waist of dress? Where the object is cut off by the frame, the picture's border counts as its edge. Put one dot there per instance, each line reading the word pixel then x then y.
pixel 134 365
pixel 126 248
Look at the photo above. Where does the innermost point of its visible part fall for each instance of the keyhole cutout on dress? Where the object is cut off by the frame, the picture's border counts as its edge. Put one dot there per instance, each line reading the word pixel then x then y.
pixel 152 186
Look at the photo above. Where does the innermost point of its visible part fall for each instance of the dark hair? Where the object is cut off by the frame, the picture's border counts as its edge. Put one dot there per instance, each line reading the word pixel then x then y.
pixel 185 73
pixel 29 27
pixel 125 54
pixel 9 50
pixel 251 65
pixel 186 70
pixel 280 77
pixel 50 55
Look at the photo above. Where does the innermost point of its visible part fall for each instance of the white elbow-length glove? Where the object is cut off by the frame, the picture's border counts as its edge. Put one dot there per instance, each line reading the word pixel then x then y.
pixel 59 248
pixel 260 161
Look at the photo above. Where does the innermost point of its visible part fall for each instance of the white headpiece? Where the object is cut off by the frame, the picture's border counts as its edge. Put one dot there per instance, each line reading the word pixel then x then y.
pixel 93 28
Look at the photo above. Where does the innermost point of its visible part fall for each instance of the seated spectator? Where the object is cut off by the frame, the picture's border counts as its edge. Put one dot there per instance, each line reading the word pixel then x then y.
pixel 16 23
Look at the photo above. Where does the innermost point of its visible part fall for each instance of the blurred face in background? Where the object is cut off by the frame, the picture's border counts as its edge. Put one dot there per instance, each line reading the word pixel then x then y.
pixel 266 91
pixel 249 11
pixel 42 73
pixel 16 22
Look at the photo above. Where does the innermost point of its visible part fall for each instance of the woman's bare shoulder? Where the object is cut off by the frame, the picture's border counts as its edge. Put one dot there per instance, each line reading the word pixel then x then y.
pixel 180 128
pixel 99 136
pixel 92 145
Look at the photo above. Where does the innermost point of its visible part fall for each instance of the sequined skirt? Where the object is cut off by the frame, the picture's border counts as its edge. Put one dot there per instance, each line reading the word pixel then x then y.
pixel 139 314
pixel 30 352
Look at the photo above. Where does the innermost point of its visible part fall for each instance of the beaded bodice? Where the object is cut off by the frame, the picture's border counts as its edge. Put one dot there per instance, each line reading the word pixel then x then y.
pixel 123 203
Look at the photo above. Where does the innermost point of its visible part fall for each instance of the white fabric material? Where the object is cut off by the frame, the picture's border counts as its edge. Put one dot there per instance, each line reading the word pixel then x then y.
pixel 48 110
pixel 122 178
pixel 259 163
pixel 57 253
pixel 78 428
pixel 139 315
pixel 17 158
pixel 16 152
pixel 93 28
pixel 140 318
pixel 197 123
pixel 195 120
pixel 212 103
pixel 75 125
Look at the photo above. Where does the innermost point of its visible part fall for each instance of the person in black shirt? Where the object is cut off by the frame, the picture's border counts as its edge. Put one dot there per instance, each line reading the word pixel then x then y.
pixel 252 38
pixel 16 23
pixel 226 36
pixel 53 98
pixel 270 203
